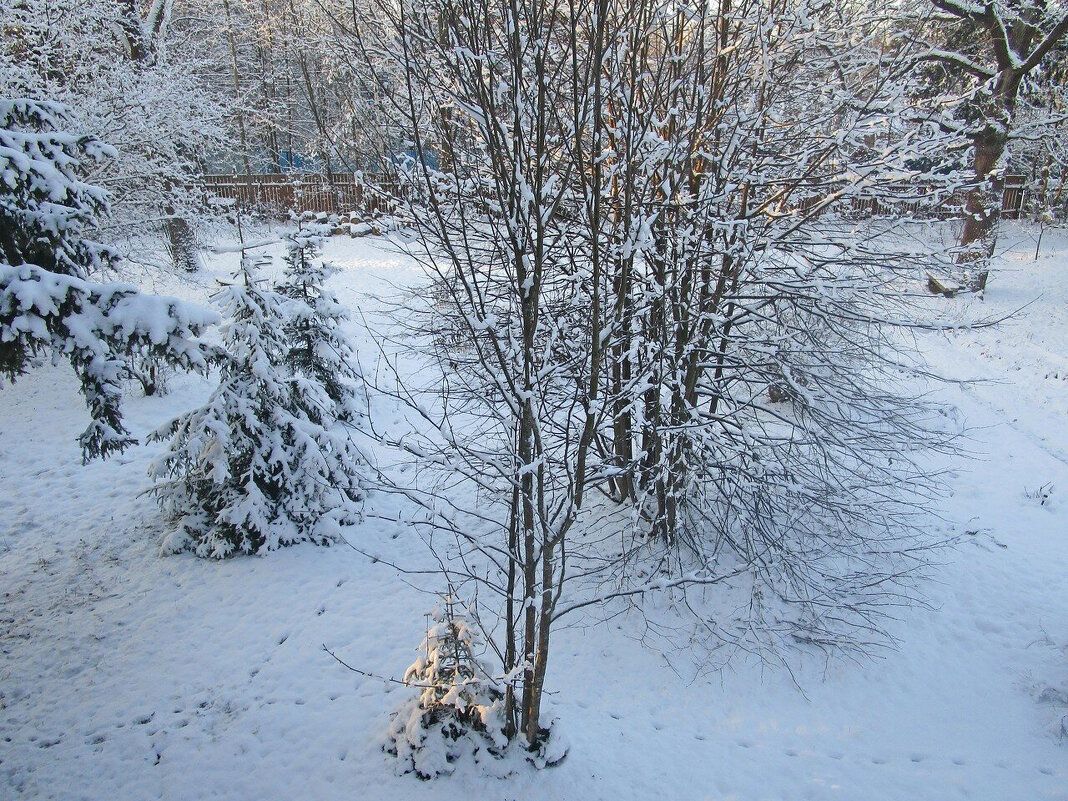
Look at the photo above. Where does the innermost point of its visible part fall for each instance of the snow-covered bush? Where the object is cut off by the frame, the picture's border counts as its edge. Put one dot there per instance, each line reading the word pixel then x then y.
pixel 461 709
pixel 47 303
pixel 252 470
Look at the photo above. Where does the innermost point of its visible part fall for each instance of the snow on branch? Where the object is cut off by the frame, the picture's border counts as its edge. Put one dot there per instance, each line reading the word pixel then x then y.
pixel 48 305
pixel 958 60
pixel 96 326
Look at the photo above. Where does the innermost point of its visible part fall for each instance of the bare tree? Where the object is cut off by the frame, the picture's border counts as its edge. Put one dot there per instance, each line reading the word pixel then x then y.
pixel 654 313
pixel 495 234
pixel 752 421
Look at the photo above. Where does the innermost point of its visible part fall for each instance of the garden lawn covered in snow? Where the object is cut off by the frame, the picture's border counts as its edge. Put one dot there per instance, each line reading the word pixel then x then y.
pixel 130 674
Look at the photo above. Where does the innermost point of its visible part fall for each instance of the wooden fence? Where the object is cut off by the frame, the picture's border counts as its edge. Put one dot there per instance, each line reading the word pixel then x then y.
pixel 1012 197
pixel 908 200
pixel 276 194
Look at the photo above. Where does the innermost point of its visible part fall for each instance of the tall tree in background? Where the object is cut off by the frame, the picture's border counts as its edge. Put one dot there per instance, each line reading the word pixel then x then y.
pixel 299 98
pixel 1016 36
pixel 1041 134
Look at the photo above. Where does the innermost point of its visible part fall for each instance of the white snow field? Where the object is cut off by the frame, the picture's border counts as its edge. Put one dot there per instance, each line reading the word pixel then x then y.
pixel 126 674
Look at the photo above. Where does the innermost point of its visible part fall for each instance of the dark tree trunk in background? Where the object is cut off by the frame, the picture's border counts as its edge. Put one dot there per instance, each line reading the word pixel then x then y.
pixel 181 242
pixel 1012 33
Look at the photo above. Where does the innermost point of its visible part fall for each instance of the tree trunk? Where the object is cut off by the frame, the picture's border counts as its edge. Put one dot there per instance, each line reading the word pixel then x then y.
pixel 236 75
pixel 182 242
pixel 983 205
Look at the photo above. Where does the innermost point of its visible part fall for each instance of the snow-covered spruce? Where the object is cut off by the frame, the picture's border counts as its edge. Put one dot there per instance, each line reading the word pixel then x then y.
pixel 251 471
pixel 47 303
pixel 460 712
pixel 318 351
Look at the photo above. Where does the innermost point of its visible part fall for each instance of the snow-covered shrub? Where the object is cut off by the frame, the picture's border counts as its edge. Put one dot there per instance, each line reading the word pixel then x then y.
pixel 460 711
pixel 251 470
pixel 47 303
pixel 1042 494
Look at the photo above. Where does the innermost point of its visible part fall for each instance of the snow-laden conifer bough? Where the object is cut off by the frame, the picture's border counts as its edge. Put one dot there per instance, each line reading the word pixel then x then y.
pixel 49 303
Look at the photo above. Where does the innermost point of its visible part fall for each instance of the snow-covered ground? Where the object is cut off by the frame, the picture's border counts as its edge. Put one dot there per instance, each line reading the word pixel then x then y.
pixel 125 674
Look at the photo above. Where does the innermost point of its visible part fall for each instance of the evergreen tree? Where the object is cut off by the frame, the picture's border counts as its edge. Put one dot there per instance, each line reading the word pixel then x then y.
pixel 251 470
pixel 317 349
pixel 460 709
pixel 325 382
pixel 47 303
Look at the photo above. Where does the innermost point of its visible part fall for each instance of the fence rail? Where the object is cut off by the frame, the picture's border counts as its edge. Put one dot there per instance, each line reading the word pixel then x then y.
pixel 905 199
pixel 278 193
pixel 1012 197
